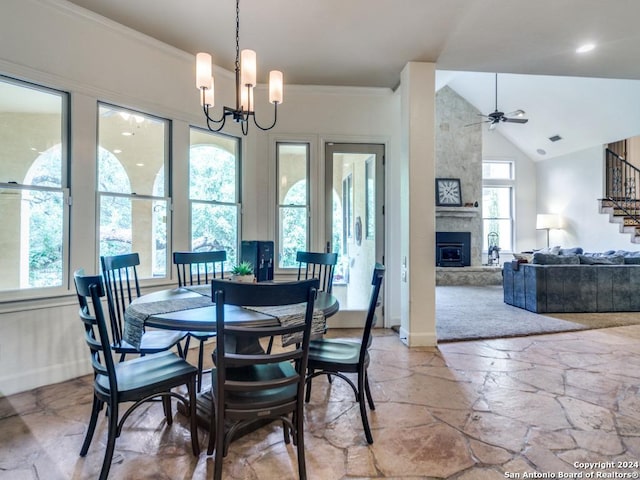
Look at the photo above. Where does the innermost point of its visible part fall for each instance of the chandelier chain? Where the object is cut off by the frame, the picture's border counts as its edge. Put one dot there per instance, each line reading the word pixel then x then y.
pixel 237 35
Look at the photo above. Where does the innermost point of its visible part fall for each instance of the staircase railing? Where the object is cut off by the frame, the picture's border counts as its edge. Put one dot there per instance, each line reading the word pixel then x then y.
pixel 622 182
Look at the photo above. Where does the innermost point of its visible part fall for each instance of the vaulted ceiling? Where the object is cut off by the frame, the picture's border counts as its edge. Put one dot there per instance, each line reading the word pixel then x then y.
pixel 587 99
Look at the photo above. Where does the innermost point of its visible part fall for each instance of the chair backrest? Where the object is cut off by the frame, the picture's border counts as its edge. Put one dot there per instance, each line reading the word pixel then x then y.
pixel 317 265
pixel 370 322
pixel 122 287
pixel 257 295
pixel 91 286
pixel 199 268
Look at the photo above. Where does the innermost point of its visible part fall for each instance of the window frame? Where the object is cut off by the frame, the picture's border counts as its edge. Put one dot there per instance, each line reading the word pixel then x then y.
pixel 21 293
pixel 509 183
pixel 133 196
pixel 238 189
pixel 279 206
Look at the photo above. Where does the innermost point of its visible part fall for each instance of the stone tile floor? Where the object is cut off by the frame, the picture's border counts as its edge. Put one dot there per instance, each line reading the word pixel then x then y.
pixel 565 405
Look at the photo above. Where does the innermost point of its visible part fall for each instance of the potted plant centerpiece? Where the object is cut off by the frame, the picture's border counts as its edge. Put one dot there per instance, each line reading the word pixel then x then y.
pixel 243 272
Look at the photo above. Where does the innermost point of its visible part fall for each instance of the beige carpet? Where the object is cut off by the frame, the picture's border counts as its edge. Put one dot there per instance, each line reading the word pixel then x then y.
pixel 471 313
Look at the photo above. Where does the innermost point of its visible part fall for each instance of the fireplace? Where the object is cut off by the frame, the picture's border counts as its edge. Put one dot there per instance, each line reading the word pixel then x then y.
pixel 453 249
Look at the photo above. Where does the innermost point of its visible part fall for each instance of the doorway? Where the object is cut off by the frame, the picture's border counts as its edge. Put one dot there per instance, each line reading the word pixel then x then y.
pixel 354 222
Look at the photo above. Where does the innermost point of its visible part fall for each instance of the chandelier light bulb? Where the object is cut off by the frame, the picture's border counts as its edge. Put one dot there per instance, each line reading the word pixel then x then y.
pixel 275 86
pixel 247 68
pixel 203 70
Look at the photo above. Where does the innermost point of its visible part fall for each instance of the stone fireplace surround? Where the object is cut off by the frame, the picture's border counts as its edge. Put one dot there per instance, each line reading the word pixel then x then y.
pixel 459 155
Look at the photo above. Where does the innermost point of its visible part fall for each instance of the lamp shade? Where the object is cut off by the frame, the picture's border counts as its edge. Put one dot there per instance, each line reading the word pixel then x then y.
pixel 275 86
pixel 203 70
pixel 547 221
pixel 247 68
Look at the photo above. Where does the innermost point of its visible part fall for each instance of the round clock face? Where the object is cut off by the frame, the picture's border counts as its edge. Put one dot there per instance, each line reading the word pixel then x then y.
pixel 448 192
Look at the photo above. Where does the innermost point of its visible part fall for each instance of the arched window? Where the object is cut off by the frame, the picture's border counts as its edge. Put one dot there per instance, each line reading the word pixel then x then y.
pixel 214 193
pixel 115 211
pixel 42 220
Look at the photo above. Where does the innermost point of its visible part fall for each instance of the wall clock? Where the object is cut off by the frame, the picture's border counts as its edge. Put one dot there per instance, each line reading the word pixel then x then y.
pixel 448 192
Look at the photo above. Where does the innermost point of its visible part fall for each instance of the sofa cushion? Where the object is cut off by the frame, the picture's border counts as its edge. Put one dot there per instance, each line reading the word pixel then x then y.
pixel 571 251
pixel 549 250
pixel 630 258
pixel 601 259
pixel 551 259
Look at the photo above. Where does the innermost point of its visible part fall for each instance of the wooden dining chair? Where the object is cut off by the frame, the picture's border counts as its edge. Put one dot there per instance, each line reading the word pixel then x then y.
pixel 199 268
pixel 139 380
pixel 340 356
pixel 253 386
pixel 122 287
pixel 317 265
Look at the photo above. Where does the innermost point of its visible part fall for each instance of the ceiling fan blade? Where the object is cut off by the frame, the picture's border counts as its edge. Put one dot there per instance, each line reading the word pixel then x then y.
pixel 515 120
pixel 476 123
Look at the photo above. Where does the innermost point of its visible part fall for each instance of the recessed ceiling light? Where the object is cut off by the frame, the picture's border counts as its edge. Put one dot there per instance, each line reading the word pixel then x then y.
pixel 587 47
pixel 139 164
pixel 117 150
pixel 127 134
pixel 541 151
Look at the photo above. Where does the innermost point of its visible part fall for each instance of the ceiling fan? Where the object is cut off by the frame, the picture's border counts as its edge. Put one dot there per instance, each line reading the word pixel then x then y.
pixel 493 119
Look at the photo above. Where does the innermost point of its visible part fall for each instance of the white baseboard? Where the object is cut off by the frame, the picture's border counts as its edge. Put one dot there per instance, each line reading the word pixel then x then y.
pixel 23 381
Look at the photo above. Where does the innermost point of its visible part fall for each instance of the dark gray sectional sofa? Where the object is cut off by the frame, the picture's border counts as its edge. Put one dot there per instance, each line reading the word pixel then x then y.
pixel 567 285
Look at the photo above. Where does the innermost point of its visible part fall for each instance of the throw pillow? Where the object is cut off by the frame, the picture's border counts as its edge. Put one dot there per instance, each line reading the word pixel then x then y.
pixel 551 259
pixel 549 250
pixel 571 251
pixel 523 257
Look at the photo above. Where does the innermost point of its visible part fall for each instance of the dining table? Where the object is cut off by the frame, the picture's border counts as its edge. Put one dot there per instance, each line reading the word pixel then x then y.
pixel 192 308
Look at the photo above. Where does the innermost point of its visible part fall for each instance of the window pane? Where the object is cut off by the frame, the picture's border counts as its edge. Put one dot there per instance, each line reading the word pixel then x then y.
pixel 503 229
pixel 30 132
pixel 214 193
pixel 119 214
pixel 497 170
pixel 215 227
pixel 213 167
pixel 496 202
pixel 293 200
pixel 32 181
pixel 134 146
pixel 293 228
pixel 133 208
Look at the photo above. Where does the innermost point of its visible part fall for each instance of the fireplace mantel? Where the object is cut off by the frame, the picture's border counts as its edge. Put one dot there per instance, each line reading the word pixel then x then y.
pixel 457 212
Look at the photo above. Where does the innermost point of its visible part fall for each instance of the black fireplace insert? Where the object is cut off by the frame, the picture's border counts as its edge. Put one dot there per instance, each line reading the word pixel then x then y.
pixel 453 249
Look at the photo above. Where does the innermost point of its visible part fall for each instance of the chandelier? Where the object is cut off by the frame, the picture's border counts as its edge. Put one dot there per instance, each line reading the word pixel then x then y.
pixel 245 69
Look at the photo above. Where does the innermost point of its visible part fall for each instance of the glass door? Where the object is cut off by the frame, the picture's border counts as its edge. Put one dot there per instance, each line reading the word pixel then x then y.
pixel 354 224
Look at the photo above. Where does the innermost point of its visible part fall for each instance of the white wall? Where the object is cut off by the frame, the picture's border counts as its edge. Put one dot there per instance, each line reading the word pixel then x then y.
pixel 571 185
pixel 56 44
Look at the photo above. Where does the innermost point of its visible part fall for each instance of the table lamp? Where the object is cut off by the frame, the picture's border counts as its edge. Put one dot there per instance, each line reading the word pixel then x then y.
pixel 547 221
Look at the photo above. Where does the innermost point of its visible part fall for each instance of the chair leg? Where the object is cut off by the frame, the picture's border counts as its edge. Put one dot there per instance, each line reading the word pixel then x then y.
pixel 220 447
pixel 307 395
pixel 200 363
pixel 368 391
pixel 95 411
pixel 166 406
pixel 186 346
pixel 299 436
pixel 195 443
pixel 363 407
pixel 111 441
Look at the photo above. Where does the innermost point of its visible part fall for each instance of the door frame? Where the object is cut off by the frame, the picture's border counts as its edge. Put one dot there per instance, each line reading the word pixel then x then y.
pixel 379 150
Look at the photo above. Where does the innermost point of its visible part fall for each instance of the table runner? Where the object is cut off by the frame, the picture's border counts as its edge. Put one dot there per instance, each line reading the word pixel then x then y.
pixel 285 314
pixel 137 314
